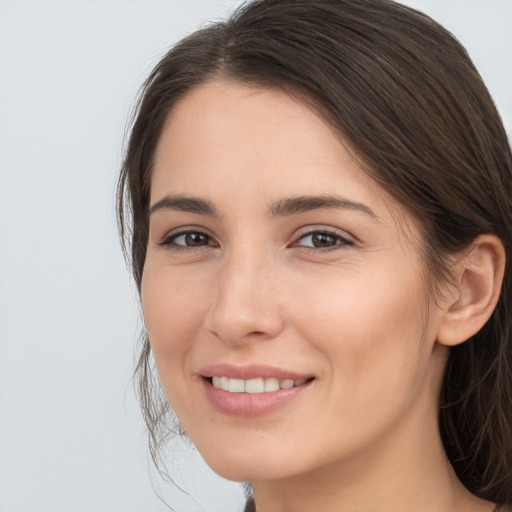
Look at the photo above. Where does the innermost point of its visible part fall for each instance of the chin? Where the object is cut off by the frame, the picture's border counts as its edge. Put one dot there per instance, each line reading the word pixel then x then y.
pixel 248 471
pixel 245 466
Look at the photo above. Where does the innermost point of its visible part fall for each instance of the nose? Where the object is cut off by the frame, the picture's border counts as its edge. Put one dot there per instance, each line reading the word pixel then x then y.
pixel 246 300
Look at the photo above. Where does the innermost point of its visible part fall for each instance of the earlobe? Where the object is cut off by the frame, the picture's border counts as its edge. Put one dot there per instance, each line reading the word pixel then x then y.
pixel 479 273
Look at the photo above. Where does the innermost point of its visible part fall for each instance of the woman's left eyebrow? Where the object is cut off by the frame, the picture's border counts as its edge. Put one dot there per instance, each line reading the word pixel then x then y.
pixel 303 204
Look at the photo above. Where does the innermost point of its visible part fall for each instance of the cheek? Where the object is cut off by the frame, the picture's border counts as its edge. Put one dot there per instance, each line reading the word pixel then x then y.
pixel 370 334
pixel 370 329
pixel 173 307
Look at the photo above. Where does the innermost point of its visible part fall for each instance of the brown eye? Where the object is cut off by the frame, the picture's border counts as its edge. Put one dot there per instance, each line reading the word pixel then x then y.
pixel 188 239
pixel 195 239
pixel 322 240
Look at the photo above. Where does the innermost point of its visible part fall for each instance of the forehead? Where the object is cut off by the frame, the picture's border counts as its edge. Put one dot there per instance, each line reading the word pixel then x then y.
pixel 230 141
pixel 231 120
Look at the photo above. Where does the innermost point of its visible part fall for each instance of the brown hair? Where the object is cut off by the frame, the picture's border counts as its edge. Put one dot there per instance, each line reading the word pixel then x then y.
pixel 406 97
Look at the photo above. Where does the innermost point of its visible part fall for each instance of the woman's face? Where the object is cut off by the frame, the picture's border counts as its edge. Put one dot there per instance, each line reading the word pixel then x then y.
pixel 283 292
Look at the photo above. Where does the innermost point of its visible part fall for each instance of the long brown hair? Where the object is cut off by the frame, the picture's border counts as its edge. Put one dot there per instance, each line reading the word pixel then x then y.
pixel 406 97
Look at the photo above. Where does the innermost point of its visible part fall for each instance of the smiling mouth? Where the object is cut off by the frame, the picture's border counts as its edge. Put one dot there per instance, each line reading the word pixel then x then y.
pixel 258 385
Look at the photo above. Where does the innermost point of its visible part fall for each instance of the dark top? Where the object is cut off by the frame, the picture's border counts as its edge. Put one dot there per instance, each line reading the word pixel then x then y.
pixel 251 507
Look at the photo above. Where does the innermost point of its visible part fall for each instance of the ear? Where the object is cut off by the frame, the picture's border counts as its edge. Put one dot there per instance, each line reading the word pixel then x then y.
pixel 479 273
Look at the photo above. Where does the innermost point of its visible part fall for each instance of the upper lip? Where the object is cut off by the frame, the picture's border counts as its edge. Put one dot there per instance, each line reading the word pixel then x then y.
pixel 252 371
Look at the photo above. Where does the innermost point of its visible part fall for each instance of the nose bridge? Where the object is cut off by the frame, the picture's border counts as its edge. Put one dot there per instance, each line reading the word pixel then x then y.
pixel 245 302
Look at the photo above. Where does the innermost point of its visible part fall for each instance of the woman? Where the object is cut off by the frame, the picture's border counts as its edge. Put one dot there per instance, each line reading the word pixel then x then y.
pixel 319 197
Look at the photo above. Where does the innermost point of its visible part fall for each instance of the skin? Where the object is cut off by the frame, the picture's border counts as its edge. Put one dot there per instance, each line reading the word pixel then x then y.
pixel 354 313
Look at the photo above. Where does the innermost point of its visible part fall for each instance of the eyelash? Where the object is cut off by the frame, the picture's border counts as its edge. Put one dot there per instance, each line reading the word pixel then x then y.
pixel 169 241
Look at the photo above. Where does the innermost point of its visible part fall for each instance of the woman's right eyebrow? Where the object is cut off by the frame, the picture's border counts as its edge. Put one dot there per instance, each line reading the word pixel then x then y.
pixel 184 204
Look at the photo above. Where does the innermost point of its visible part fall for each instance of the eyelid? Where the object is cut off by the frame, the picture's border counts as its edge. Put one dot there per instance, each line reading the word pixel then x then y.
pixel 322 228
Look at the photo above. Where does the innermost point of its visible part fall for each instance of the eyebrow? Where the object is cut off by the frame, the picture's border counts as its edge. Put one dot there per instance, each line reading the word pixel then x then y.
pixel 282 208
pixel 303 204
pixel 184 204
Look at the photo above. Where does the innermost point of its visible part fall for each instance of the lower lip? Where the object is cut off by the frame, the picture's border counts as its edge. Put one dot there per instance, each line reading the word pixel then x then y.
pixel 248 405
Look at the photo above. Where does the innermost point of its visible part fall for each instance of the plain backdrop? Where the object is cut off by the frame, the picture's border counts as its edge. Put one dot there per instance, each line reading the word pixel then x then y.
pixel 71 436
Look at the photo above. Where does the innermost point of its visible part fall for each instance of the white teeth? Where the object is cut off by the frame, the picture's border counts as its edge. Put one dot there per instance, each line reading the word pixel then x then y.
pixel 286 384
pixel 271 384
pixel 224 383
pixel 254 386
pixel 221 382
pixel 258 385
pixel 236 385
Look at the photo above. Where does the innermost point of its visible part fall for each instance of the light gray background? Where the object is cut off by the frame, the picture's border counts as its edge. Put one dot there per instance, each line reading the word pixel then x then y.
pixel 71 437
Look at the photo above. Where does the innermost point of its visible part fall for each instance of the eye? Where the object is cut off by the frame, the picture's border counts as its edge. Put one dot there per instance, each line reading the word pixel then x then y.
pixel 322 240
pixel 187 240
